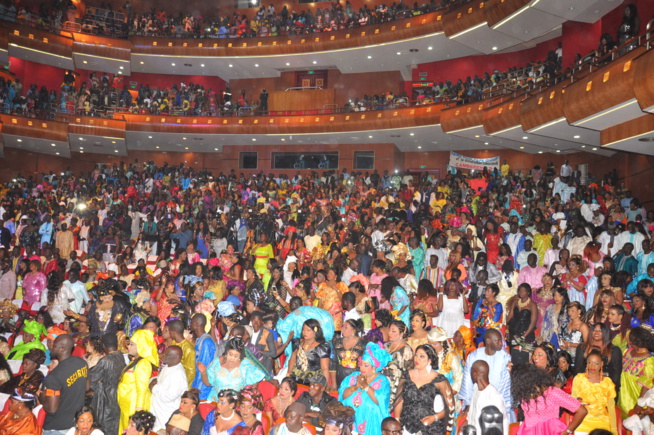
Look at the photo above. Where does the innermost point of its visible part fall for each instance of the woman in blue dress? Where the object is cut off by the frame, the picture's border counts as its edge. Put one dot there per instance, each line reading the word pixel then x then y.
pixel 368 392
pixel 392 291
pixel 231 371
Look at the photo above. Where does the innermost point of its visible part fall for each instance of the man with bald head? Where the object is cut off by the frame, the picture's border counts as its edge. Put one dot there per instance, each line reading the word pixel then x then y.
pixel 64 389
pixel 498 368
pixel 484 394
pixel 168 387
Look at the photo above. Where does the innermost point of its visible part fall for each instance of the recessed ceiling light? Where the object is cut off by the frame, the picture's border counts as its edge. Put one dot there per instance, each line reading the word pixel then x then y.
pixel 185 148
pixel 485 143
pixel 558 151
pixel 81 138
pixel 430 48
pixel 476 135
pixel 202 65
pixel 412 134
pixel 525 137
pixel 370 137
pixel 576 136
pixel 283 140
pixel 231 66
pixel 522 148
pixel 54 145
pixel 84 62
pixel 184 138
pixel 57 153
pixel 288 63
pixel 81 148
pixel 398 53
pixel 120 72
pixel 583 146
pixel 173 64
pixel 419 147
pixel 315 62
pixel 369 57
pixel 142 62
pixel 115 151
pixel 20 140
pixel 494 48
pixel 254 139
pixel 215 149
pixel 157 147
pixel 113 141
pixel 594 149
pixel 256 65
pixel 81 152
pixel 540 152
pixel 149 137
pixel 121 67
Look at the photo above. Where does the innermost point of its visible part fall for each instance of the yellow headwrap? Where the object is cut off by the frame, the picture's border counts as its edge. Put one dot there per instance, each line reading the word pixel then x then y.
pixel 145 345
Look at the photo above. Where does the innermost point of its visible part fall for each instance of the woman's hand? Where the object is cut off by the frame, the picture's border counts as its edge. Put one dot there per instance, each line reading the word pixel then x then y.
pixel 429 420
pixel 201 367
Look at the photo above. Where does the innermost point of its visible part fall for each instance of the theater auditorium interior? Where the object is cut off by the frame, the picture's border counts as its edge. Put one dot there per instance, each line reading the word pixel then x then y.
pixel 392 87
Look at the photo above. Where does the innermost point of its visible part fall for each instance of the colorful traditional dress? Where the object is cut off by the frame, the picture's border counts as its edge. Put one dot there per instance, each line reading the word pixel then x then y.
pixel 637 371
pixel 399 300
pixel 368 415
pixel 599 397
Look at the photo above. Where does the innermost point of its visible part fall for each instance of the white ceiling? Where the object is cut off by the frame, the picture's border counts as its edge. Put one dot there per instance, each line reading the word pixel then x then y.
pixel 43 146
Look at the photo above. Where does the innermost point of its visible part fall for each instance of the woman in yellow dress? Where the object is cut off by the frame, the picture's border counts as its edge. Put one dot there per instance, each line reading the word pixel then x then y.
pixel 597 393
pixel 134 386
pixel 262 253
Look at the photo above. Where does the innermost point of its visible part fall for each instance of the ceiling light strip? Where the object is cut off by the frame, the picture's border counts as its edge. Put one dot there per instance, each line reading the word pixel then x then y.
pixel 485 23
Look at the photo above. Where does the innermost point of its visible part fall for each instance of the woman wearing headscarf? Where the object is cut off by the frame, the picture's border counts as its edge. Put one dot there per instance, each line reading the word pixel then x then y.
pixel 32 332
pixel 30 379
pixel 251 403
pixel 20 420
pixel 368 391
pixel 337 417
pixel 133 388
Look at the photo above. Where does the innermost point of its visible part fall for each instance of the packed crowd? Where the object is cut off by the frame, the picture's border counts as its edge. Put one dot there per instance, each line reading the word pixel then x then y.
pixel 138 298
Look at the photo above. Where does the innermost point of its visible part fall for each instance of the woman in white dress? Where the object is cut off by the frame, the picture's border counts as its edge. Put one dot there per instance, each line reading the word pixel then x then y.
pixel 452 308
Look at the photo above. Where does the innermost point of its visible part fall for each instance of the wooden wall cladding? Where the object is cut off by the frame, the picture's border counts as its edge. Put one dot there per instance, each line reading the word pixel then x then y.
pixel 376 34
pixel 545 106
pixel 329 123
pixel 104 47
pixel 36 128
pixel 462 117
pixel 300 100
pixel 59 44
pixel 629 129
pixel 502 115
pixel 87 125
pixel 643 82
pixel 497 10
pixel 602 89
pixel 464 17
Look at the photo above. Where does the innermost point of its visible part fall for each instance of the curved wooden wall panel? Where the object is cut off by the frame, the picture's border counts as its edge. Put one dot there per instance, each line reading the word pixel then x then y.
pixel 545 106
pixel 91 126
pixel 37 128
pixel 276 45
pixel 462 117
pixel 497 10
pixel 643 82
pixel 502 115
pixel 602 89
pixel 104 47
pixel 35 39
pixel 330 123
pixel 626 130
pixel 464 17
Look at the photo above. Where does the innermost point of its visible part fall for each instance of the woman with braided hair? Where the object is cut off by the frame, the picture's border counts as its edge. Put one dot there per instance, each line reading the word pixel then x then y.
pixel 56 297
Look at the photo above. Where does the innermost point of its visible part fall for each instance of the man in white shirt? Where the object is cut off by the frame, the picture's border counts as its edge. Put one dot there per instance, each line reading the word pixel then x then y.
pixel 608 239
pixel 348 301
pixel 168 387
pixel 633 236
pixel 484 394
pixel 566 170
pixel 78 290
pixel 350 271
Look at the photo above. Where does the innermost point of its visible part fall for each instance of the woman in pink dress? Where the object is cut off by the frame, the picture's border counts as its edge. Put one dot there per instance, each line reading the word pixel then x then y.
pixel 541 402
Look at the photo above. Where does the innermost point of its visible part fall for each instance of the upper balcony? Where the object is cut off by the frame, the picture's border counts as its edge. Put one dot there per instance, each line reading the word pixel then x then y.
pixel 467 27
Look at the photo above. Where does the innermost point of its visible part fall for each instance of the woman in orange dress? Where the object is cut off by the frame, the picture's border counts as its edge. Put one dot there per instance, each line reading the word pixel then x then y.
pixel 20 419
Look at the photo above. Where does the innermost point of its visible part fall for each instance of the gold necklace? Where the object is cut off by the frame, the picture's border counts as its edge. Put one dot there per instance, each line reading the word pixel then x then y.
pixel 522 305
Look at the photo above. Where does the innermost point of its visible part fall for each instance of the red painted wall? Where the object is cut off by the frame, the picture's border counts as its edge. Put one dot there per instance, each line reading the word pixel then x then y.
pixel 579 38
pixel 612 20
pixel 469 66
pixel 51 77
